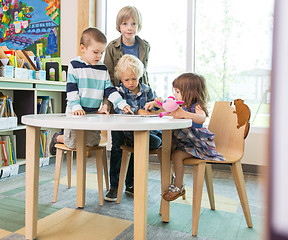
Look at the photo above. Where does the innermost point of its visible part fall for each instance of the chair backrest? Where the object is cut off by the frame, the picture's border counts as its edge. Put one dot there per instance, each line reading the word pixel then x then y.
pixel 229 139
pixel 104 137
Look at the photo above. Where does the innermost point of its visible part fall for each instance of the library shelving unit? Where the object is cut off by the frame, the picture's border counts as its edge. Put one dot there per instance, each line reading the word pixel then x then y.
pixel 24 93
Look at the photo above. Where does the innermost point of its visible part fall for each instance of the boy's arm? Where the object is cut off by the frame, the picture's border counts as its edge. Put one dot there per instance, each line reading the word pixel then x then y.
pixel 151 104
pixel 118 102
pixel 133 108
pixel 114 97
pixel 72 90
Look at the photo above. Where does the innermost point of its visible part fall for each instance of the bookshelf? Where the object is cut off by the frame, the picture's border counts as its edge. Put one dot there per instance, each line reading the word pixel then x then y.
pixel 24 93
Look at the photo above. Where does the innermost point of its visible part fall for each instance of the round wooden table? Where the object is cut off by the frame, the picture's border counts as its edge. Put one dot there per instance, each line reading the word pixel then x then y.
pixel 139 124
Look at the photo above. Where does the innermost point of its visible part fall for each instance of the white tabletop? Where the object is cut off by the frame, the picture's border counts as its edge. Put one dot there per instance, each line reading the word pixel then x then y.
pixel 105 122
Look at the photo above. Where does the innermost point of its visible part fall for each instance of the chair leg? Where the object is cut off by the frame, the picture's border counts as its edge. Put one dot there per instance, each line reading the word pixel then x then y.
pixel 88 153
pixel 198 180
pixel 209 185
pixel 105 166
pixel 58 163
pixel 123 171
pixel 238 176
pixel 99 166
pixel 68 160
pixel 159 155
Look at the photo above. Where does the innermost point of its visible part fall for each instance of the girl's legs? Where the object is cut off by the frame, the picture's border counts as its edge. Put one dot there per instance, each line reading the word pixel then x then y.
pixel 178 157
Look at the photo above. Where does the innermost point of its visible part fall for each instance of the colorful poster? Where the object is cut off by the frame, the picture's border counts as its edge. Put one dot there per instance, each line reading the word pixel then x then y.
pixel 31 25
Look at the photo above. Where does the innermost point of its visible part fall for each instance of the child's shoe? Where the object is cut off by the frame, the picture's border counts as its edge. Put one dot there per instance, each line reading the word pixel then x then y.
pixel 130 191
pixel 52 148
pixel 111 196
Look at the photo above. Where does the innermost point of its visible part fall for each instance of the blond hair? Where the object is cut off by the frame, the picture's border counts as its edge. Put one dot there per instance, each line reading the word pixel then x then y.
pixel 129 12
pixel 131 63
pixel 92 33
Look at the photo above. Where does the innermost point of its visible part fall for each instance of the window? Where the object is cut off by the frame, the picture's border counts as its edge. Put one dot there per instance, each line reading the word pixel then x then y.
pixel 233 46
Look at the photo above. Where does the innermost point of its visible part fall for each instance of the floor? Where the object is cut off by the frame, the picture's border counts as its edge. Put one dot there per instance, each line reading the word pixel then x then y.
pixel 62 218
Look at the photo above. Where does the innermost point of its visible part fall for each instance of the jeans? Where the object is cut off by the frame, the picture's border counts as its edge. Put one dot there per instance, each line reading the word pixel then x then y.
pixel 120 138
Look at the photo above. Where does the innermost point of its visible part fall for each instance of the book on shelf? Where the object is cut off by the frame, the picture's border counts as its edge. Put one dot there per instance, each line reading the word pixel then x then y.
pixel 44 105
pixel 6 106
pixel 9 149
pixel 4 154
pixel 13 148
pixel 4 110
pixel 44 142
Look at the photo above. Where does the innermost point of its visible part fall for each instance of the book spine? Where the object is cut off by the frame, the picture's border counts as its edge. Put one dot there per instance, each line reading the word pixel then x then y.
pixel 12 151
pixel 6 161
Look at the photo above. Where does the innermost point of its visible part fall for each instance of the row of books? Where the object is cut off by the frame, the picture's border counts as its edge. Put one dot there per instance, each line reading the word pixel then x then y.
pixel 6 106
pixel 45 105
pixel 44 143
pixel 8 150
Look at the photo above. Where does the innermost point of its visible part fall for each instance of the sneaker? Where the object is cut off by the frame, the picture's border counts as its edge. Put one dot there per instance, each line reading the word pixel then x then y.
pixel 130 191
pixel 52 148
pixel 111 196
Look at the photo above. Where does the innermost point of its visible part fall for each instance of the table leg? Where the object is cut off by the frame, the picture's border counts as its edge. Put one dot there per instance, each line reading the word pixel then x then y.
pixel 166 172
pixel 32 180
pixel 81 167
pixel 141 160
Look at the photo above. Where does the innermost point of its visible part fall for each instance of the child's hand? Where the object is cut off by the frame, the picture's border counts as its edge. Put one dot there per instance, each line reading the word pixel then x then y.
pixel 104 109
pixel 158 99
pixel 79 112
pixel 149 105
pixel 179 113
pixel 143 112
pixel 127 109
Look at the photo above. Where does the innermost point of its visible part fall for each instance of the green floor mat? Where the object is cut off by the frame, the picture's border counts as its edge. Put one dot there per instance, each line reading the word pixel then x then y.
pixel 216 225
pixel 12 212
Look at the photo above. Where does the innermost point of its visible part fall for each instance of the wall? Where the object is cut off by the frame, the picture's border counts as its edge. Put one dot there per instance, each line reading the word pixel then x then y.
pixel 256 147
pixel 68 33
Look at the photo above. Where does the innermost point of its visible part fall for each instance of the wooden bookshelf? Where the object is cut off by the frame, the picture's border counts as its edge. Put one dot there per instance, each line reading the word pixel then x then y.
pixel 24 93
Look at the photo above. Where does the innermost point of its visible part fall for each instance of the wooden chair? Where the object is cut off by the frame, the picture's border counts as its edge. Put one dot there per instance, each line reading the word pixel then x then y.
pixel 229 142
pixel 126 152
pixel 101 164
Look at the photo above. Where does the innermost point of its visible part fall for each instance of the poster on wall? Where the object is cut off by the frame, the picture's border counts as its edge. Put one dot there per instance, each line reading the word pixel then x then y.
pixel 32 25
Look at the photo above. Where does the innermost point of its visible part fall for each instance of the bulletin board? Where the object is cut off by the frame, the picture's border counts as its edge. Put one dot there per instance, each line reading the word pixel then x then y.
pixel 32 25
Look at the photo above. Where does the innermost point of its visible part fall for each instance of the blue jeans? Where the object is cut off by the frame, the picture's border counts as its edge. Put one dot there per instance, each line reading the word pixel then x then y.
pixel 120 138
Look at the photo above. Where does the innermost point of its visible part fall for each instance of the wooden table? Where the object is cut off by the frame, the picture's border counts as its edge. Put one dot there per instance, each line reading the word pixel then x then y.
pixel 140 126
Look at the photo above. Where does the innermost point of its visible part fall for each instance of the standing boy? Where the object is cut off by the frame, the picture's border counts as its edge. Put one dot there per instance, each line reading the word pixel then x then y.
pixel 128 24
pixel 87 82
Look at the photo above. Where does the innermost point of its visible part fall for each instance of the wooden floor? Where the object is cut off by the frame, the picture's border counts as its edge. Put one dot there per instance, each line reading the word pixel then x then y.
pixel 61 220
pixel 74 224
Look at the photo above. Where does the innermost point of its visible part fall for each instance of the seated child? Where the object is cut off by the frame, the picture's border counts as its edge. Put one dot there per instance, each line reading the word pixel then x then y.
pixel 195 141
pixel 129 69
pixel 87 82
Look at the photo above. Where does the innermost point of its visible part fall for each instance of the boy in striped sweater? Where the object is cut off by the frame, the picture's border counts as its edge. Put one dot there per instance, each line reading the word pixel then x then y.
pixel 88 82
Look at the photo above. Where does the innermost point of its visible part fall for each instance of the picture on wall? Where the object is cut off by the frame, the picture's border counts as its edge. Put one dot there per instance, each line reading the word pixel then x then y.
pixel 32 25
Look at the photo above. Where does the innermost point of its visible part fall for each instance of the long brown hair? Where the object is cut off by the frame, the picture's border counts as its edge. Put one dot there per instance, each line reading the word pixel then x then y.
pixel 193 90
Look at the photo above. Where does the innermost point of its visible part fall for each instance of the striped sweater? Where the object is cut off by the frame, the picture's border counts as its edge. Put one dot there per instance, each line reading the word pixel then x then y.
pixel 87 85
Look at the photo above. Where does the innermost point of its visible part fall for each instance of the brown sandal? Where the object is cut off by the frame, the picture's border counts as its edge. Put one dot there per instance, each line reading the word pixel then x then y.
pixel 172 188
